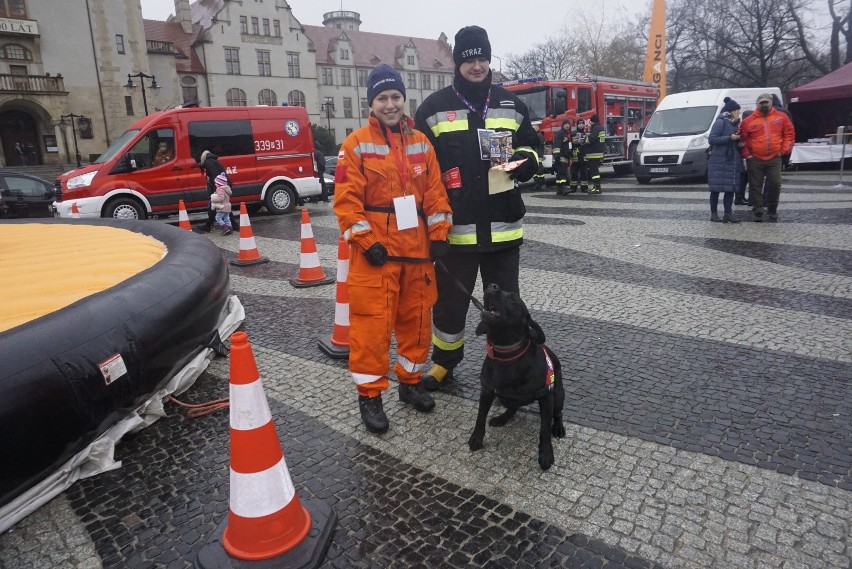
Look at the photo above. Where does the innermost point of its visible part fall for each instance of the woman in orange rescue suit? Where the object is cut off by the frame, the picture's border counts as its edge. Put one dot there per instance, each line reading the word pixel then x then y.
pixel 393 210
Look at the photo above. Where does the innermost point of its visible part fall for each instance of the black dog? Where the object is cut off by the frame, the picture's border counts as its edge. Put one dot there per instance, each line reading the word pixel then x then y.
pixel 518 370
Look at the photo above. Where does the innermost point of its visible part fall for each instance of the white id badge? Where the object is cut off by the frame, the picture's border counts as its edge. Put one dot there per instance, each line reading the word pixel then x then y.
pixel 406 212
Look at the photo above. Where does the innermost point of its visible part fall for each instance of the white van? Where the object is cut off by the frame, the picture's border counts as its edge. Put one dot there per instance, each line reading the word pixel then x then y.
pixel 674 143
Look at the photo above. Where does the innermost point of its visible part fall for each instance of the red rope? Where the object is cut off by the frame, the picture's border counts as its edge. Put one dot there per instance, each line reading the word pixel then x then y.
pixel 201 409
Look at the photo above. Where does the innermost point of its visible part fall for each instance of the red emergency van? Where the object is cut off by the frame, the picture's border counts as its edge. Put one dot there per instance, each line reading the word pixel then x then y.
pixel 267 151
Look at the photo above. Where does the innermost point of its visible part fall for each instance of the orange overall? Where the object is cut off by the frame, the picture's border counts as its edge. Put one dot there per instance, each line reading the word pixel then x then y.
pixel 375 166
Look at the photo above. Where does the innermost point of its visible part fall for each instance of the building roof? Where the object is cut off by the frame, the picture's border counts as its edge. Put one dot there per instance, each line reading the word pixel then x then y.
pixel 835 85
pixel 186 61
pixel 370 49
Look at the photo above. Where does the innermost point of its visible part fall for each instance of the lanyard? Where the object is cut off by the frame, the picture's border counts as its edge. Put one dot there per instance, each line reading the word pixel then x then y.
pixel 470 106
pixel 399 158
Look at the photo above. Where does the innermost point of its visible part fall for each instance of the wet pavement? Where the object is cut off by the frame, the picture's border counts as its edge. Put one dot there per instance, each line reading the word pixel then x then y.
pixel 708 409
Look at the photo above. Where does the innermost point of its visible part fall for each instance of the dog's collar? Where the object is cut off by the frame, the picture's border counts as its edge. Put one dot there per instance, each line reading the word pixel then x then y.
pixel 506 353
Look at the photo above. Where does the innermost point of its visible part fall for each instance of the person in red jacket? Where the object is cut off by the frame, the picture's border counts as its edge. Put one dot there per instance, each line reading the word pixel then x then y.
pixel 767 135
pixel 393 210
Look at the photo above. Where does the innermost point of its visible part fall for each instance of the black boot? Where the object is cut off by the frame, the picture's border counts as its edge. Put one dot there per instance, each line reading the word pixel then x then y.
pixel 373 414
pixel 436 375
pixel 739 199
pixel 414 394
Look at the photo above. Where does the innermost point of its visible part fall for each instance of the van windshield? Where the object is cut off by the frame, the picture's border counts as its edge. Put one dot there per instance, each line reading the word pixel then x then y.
pixel 680 122
pixel 116 146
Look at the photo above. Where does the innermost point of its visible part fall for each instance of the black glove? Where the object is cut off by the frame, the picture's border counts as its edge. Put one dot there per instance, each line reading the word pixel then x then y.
pixel 526 170
pixel 438 249
pixel 376 254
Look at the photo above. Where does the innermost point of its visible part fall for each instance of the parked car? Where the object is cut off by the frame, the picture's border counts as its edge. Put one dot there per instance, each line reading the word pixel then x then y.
pixel 330 165
pixel 22 195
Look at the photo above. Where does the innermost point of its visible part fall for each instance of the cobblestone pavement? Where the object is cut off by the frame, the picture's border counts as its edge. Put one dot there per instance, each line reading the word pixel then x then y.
pixel 708 371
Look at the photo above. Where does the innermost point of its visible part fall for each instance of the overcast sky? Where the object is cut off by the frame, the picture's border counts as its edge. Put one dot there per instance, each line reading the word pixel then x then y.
pixel 513 26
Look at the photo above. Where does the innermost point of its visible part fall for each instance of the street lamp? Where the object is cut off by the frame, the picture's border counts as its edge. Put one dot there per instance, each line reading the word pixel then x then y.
pixel 63 124
pixel 328 107
pixel 130 86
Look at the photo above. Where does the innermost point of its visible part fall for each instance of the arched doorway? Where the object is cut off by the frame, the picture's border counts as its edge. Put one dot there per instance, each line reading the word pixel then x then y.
pixel 19 134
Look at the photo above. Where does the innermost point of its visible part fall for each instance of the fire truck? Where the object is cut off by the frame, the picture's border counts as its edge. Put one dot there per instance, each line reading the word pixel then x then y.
pixel 623 106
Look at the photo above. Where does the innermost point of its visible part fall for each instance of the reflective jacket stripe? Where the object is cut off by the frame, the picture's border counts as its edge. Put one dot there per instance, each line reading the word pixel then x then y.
pixel 408 365
pixel 362 378
pixel 372 150
pixel 447 342
pixel 438 218
pixel 357 228
pixel 501 232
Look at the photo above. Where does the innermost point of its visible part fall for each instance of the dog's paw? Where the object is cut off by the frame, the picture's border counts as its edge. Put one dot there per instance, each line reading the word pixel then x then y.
pixel 475 442
pixel 545 457
pixel 558 429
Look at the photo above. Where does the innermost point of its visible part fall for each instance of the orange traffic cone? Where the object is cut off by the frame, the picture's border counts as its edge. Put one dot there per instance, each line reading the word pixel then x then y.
pixel 183 218
pixel 266 519
pixel 338 345
pixel 75 211
pixel 248 254
pixel 310 271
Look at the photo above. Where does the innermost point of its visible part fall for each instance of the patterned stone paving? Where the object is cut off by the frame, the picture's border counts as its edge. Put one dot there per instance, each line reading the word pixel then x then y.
pixel 709 410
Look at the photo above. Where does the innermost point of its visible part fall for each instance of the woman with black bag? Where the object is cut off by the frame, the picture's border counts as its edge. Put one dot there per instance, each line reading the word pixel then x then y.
pixel 725 164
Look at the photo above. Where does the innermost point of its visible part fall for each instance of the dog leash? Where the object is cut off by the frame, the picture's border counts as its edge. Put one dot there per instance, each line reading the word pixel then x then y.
pixel 460 286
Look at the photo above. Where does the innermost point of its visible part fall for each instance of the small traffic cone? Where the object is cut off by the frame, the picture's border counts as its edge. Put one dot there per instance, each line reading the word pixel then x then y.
pixel 338 345
pixel 266 520
pixel 183 218
pixel 310 271
pixel 248 254
pixel 75 211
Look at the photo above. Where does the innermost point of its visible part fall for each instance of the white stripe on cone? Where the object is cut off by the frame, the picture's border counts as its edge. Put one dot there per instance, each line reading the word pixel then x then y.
pixel 261 493
pixel 249 408
pixel 247 243
pixel 182 215
pixel 341 314
pixel 307 232
pixel 342 270
pixel 309 260
pixel 244 219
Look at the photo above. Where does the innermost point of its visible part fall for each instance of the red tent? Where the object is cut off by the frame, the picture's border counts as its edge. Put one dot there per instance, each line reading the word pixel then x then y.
pixel 822 105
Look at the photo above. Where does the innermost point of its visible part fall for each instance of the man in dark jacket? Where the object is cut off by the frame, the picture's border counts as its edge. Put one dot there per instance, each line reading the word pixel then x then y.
pixel 487 228
pixel 594 146
pixel 579 175
pixel 210 165
pixel 563 148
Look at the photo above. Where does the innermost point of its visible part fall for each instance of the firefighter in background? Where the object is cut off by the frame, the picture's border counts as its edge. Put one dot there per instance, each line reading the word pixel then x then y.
pixel 594 147
pixel 392 208
pixel 487 228
pixel 578 158
pixel 563 147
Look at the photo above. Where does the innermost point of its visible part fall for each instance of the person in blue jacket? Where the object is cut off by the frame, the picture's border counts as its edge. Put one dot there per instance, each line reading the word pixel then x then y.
pixel 726 163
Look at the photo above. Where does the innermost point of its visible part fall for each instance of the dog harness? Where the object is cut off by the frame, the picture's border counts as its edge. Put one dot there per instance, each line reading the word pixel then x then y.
pixel 514 352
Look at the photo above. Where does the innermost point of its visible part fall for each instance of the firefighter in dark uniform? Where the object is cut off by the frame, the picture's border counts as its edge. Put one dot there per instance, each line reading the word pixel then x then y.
pixel 594 147
pixel 563 149
pixel 487 228
pixel 578 158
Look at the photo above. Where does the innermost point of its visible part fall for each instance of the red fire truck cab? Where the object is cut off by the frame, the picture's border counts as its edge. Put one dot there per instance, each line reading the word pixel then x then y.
pixel 623 106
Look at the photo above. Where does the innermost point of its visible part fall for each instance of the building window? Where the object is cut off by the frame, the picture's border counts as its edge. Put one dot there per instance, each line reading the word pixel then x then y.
pixel 328 107
pixel 410 60
pixel 15 51
pixel 344 54
pixel 348 131
pixel 346 77
pixel 412 106
pixel 243 25
pixel 293 65
pixel 276 28
pixel 235 97
pixel 296 99
pixel 266 26
pixel 189 86
pixel 128 105
pixel 119 43
pixel 232 61
pixel 13 8
pixel 365 109
pixel 347 107
pixel 427 81
pixel 267 97
pixel 327 77
pixel 412 81
pixel 255 26
pixel 362 77
pixel 441 81
pixel 264 67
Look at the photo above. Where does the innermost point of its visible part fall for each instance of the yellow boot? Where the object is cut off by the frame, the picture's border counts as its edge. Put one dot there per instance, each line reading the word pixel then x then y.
pixel 432 379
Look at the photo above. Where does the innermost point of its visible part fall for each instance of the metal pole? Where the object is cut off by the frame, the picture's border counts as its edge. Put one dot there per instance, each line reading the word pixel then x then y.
pixel 144 98
pixel 76 149
pixel 841 132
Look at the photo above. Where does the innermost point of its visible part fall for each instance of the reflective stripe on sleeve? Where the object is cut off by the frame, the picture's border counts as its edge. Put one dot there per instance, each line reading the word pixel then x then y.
pixel 362 378
pixel 436 218
pixel 358 227
pixel 408 365
pixel 462 234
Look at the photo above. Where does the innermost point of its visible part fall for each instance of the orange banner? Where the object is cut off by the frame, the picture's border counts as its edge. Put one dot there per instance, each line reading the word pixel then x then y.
pixel 655 57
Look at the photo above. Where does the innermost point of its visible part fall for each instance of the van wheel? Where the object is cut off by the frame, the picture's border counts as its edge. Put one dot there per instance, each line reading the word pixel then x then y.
pixel 280 199
pixel 125 208
pixel 643 179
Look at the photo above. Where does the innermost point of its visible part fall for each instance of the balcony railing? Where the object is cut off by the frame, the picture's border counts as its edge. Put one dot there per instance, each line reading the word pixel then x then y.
pixel 155 46
pixel 32 83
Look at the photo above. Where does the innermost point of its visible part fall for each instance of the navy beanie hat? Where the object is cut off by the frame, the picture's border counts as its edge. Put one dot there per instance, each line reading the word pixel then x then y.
pixel 595 119
pixel 470 42
pixel 730 105
pixel 382 78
